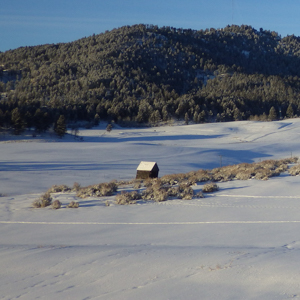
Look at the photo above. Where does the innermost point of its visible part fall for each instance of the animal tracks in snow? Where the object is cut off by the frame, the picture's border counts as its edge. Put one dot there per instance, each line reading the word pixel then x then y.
pixel 211 202
pixel 293 246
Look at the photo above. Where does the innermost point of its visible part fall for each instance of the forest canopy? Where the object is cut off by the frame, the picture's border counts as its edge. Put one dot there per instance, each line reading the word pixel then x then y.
pixel 147 74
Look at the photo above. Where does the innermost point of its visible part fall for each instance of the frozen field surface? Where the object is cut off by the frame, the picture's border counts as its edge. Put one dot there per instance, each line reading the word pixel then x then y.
pixel 242 242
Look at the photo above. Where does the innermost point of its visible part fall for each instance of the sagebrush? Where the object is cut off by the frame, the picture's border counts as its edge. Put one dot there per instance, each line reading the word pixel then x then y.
pixel 174 186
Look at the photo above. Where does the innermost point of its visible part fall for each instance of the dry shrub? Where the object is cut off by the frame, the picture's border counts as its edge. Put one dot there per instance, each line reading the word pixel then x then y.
pixel 263 173
pixel 148 182
pixel 282 168
pixel 76 187
pixel 59 189
pixel 159 192
pixel 244 171
pixel 199 176
pixel 154 183
pixel 291 160
pixel 44 201
pixel 262 170
pixel 123 183
pixel 160 195
pixel 244 175
pixel 173 179
pixel 148 193
pixel 36 203
pixel 73 204
pixel 191 177
pixel 210 187
pixel 137 184
pixel 294 170
pixel 226 173
pixel 156 193
pixel 185 192
pixel 173 191
pixel 199 195
pixel 56 204
pixel 125 198
pixel 169 179
pixel 107 189
pixel 98 190
pixel 268 164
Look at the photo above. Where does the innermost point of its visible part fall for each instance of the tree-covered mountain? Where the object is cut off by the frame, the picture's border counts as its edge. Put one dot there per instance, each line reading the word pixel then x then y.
pixel 144 73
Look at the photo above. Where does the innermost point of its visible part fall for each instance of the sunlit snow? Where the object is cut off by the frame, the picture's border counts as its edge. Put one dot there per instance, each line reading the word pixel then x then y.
pixel 241 242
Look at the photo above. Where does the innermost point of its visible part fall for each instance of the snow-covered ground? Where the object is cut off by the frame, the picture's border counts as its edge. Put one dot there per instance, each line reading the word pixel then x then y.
pixel 242 242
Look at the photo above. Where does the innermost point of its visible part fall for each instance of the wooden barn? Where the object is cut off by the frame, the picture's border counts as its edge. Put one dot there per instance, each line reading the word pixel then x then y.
pixel 147 169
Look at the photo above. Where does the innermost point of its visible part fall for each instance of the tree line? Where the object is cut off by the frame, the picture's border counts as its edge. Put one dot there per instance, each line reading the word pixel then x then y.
pixel 145 74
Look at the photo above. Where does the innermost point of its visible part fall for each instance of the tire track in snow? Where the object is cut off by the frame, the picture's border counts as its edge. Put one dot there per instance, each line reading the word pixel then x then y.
pixel 148 223
pixel 219 205
pixel 252 196
pixel 205 203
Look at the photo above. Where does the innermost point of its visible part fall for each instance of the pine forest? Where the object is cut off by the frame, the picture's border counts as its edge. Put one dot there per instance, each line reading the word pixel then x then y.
pixel 146 75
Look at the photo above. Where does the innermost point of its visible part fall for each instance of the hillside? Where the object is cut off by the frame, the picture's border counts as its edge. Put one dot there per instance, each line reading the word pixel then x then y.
pixel 241 242
pixel 144 73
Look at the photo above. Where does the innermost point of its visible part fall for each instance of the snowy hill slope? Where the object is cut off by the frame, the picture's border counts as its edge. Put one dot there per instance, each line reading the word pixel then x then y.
pixel 241 242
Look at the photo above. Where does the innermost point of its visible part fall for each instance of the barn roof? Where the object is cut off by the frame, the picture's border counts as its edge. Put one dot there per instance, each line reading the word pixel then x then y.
pixel 146 166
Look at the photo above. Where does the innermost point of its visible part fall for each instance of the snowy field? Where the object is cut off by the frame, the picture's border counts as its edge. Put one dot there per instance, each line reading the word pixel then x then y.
pixel 242 242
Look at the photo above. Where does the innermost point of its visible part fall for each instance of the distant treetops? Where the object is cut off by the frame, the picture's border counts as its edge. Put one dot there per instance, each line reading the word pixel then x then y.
pixel 148 74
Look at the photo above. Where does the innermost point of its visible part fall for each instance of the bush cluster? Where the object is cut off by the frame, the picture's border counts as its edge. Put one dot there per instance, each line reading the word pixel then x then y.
pixel 59 189
pixel 73 204
pixel 261 170
pixel 294 170
pixel 125 198
pixel 210 187
pixel 98 190
pixel 56 204
pixel 43 201
pixel 159 190
pixel 174 186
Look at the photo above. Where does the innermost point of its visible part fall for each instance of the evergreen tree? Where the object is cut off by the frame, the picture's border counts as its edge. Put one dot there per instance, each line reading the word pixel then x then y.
pixel 130 81
pixel 154 118
pixel 196 117
pixel 186 118
pixel 237 115
pixel 38 120
pixel 96 119
pixel 272 114
pixel 109 127
pixel 60 126
pixel 290 111
pixel 202 117
pixel 17 121
pixel 1 118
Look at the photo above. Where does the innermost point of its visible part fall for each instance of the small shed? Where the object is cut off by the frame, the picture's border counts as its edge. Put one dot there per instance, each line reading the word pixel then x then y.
pixel 147 169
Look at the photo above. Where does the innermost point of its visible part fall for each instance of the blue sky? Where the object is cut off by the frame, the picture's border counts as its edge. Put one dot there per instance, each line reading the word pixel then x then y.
pixel 35 22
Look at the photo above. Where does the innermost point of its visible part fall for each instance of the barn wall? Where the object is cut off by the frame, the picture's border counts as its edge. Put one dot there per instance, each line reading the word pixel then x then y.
pixel 146 174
